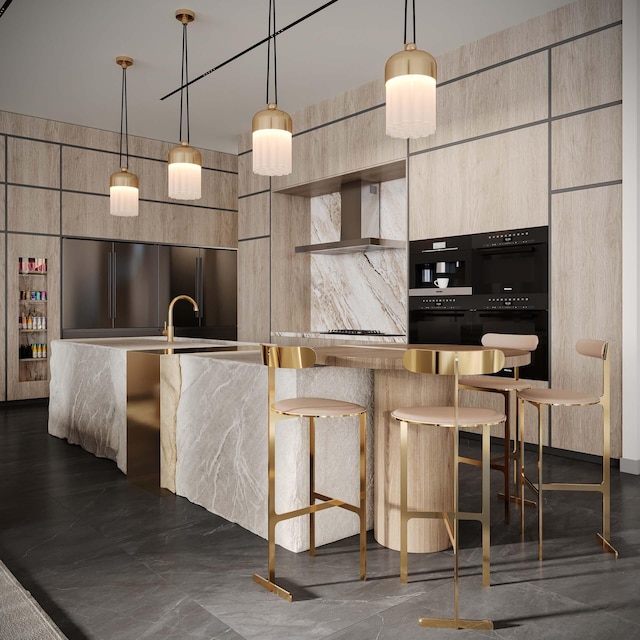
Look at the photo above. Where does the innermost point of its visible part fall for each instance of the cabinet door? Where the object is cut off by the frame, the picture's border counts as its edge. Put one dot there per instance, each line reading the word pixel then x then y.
pixel 86 284
pixel 136 285
pixel 218 293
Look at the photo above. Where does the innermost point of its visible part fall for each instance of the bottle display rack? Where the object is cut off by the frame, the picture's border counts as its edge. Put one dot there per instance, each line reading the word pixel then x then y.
pixel 32 319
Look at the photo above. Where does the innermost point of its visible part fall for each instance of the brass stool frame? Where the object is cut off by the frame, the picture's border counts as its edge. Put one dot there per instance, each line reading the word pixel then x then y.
pixel 451 363
pixel 509 392
pixel 298 358
pixel 593 348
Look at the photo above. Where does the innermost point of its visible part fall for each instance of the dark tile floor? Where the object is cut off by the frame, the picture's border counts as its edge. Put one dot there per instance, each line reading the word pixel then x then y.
pixel 110 561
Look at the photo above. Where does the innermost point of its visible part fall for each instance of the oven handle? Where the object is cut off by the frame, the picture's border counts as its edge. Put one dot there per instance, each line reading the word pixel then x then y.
pixel 439 250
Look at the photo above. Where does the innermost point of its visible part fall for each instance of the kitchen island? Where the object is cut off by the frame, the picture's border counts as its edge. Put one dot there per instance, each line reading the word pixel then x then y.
pixel 214 417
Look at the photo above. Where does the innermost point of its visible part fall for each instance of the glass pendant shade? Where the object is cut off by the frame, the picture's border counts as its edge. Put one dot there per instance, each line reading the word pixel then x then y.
pixel 272 142
pixel 123 194
pixel 185 173
pixel 410 83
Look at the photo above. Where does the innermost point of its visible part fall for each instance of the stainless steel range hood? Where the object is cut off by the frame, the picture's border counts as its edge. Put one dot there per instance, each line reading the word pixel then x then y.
pixel 359 222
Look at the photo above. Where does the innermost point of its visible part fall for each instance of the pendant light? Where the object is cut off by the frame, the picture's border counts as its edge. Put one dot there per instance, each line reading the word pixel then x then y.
pixel 185 162
pixel 271 127
pixel 123 189
pixel 410 84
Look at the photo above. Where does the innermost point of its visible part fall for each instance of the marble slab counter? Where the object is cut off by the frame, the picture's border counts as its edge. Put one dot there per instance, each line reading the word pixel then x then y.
pixel 88 389
pixel 221 443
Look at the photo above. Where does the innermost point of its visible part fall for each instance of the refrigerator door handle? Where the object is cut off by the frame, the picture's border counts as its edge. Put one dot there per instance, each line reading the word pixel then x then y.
pixel 199 287
pixel 109 285
pixel 113 286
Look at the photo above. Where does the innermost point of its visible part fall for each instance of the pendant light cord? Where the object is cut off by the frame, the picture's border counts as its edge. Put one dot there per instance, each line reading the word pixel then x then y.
pixel 272 35
pixel 406 3
pixel 184 91
pixel 124 118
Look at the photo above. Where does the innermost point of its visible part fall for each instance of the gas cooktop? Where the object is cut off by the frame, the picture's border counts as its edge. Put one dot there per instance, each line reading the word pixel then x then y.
pixel 359 332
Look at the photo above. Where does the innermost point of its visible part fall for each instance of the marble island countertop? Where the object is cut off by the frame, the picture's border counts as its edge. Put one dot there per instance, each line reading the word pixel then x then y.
pixel 145 343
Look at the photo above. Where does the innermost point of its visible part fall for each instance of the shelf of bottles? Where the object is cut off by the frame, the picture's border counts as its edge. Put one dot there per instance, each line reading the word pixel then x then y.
pixel 32 320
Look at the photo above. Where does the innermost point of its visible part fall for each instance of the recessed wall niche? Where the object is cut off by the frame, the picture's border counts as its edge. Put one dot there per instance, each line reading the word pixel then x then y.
pixel 360 290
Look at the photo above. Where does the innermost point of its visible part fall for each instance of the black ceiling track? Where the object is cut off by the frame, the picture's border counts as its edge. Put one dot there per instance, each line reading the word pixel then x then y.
pixel 251 48
pixel 4 7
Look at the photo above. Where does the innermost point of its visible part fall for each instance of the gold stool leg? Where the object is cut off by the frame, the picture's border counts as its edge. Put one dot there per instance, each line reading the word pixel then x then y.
pixel 486 504
pixel 312 486
pixel 403 501
pixel 363 496
pixel 270 582
pixel 605 537
pixel 539 482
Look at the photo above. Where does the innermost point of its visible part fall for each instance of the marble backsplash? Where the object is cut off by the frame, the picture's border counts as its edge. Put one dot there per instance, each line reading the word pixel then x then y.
pixel 360 290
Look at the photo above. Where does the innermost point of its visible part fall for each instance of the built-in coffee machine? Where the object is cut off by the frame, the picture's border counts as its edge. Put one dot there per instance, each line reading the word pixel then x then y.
pixel 462 287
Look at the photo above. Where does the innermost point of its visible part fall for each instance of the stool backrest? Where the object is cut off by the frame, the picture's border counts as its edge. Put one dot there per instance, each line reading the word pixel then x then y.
pixel 524 342
pixel 593 348
pixel 287 357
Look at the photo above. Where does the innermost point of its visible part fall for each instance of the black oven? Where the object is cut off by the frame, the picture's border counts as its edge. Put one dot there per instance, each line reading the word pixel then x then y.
pixel 497 283
pixel 511 261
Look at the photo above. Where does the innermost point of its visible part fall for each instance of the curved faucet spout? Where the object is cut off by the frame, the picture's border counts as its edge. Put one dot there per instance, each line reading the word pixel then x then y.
pixel 170 328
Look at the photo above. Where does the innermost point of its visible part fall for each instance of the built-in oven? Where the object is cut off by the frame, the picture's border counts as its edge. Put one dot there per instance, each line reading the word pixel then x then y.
pixel 511 261
pixel 435 319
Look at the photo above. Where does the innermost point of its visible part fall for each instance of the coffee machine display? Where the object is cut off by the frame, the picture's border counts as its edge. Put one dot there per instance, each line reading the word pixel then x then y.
pixel 441 266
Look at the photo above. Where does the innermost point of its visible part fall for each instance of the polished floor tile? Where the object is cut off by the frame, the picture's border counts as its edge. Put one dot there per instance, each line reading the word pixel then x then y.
pixel 110 561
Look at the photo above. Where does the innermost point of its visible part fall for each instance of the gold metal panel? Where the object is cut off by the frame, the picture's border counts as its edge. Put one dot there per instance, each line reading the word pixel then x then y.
pixel 143 419
pixel 288 357
pixel 480 361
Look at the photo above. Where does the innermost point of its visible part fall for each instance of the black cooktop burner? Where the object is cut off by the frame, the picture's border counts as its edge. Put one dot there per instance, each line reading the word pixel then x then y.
pixel 359 332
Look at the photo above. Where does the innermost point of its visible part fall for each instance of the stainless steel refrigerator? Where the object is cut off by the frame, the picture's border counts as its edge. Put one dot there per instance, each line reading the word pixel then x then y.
pixel 124 289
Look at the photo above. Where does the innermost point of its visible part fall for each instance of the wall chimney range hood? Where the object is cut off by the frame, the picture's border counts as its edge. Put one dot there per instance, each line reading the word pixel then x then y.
pixel 359 222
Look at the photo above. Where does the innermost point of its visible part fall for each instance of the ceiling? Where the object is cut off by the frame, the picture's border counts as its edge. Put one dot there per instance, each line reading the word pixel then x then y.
pixel 58 58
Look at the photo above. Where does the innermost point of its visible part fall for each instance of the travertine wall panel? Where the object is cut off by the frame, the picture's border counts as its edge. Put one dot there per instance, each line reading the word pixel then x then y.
pixel 2 209
pixel 342 147
pixel 33 210
pixel 290 271
pixel 587 72
pixel 254 216
pixel 33 163
pixel 566 22
pixel 587 148
pixel 586 302
pixel 254 294
pixel 507 96
pixel 2 167
pixel 88 216
pixel 498 182
pixel 249 182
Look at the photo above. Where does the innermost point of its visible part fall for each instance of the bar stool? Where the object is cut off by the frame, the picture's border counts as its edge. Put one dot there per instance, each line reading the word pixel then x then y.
pixel 508 388
pixel 450 363
pixel 560 397
pixel 276 357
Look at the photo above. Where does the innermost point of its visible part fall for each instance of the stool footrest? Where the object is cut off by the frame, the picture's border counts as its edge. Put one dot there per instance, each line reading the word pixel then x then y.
pixel 607 545
pixel 273 587
pixel 314 508
pixel 453 623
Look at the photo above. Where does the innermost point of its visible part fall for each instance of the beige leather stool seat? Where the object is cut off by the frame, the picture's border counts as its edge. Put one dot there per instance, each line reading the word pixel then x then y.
pixel 317 408
pixel 508 388
pixel 450 363
pixel 540 398
pixel 445 417
pixel 276 357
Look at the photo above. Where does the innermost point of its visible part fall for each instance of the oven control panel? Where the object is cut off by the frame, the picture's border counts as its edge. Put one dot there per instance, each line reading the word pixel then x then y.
pixel 500 302
pixel 515 237
pixel 439 303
